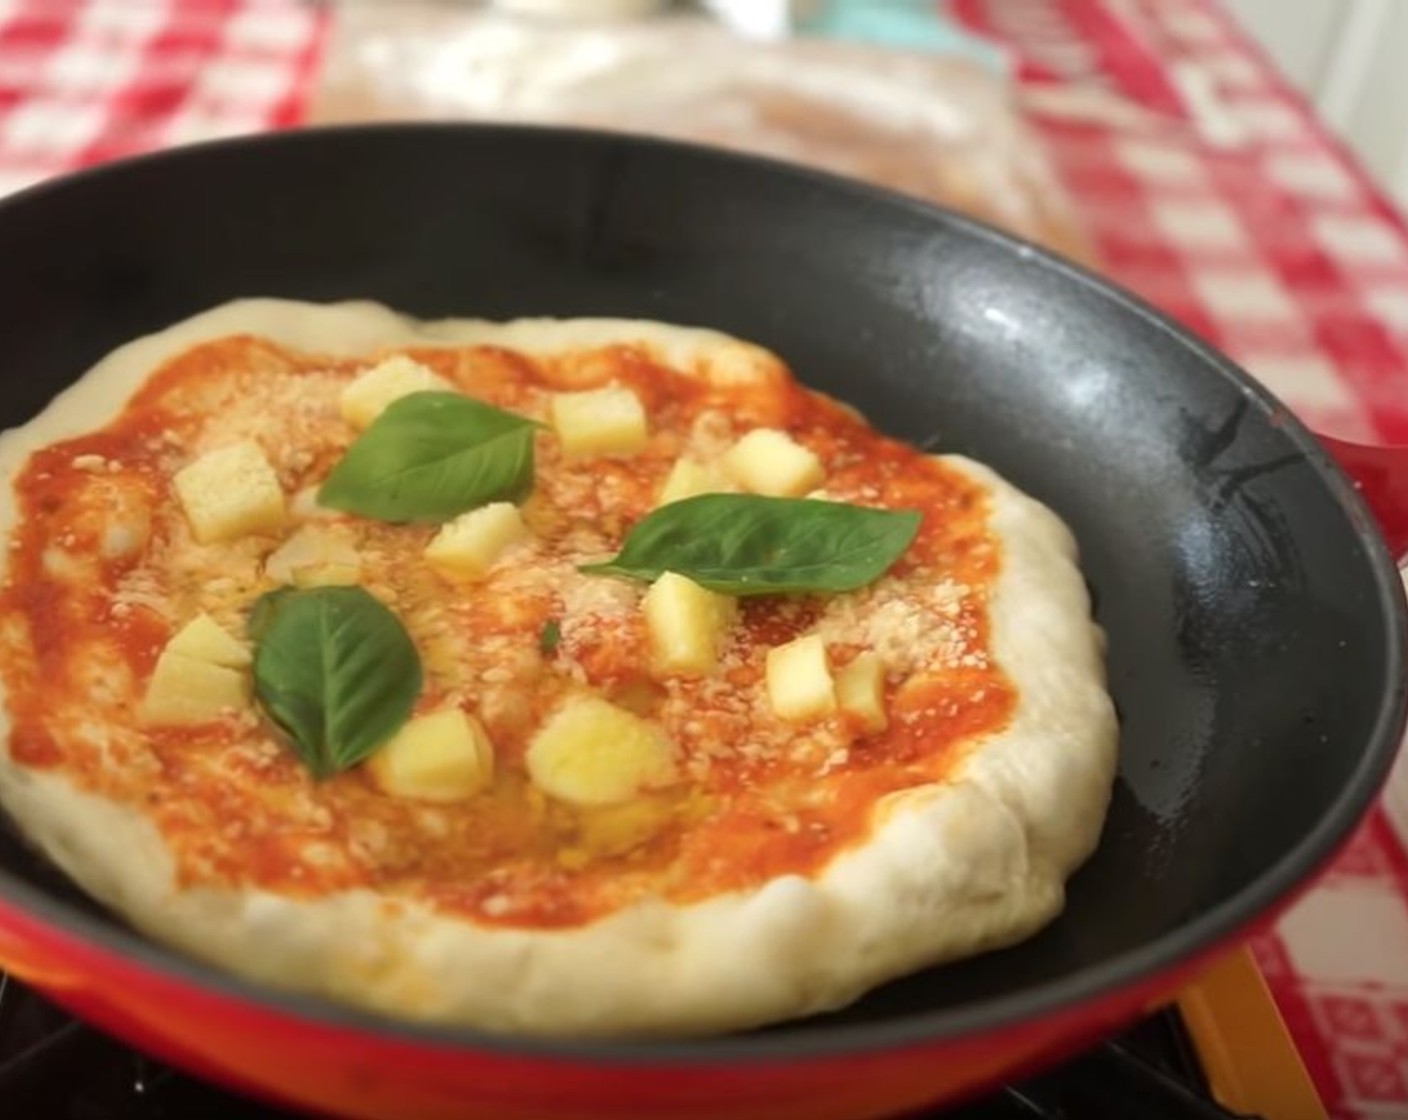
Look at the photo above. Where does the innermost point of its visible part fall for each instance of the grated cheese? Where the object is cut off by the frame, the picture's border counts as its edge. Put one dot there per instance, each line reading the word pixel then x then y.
pixel 479 643
pixel 912 623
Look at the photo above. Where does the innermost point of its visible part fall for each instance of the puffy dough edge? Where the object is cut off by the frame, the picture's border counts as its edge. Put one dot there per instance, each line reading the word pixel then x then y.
pixel 950 870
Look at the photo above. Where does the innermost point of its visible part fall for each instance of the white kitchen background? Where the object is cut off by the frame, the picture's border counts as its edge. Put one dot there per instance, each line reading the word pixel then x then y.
pixel 1350 60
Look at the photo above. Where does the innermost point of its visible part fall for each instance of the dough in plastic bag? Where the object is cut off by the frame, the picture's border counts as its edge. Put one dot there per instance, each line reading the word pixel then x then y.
pixel 940 128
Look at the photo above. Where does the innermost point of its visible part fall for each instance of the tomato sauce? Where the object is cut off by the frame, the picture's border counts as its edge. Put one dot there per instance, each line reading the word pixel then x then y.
pixel 758 798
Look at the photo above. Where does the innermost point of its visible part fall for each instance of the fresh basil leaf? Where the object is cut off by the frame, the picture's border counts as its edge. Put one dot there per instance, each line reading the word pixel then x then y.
pixel 746 544
pixel 335 670
pixel 262 613
pixel 549 636
pixel 430 456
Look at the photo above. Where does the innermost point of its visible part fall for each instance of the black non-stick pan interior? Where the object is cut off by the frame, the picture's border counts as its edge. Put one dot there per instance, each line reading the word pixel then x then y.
pixel 1255 625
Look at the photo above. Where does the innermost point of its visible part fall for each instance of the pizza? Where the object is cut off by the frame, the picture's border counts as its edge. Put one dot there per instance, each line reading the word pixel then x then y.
pixel 551 677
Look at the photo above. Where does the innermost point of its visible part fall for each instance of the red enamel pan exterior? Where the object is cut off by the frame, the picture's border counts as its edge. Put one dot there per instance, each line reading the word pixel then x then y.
pixel 1381 476
pixel 1254 613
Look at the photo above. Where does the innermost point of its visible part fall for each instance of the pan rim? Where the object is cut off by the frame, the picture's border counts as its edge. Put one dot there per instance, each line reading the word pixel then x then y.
pixel 799 1040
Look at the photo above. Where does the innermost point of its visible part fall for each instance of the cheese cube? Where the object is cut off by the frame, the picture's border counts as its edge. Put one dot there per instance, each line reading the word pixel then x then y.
pixel 616 829
pixel 328 575
pixel 230 492
pixel 316 556
pixel 126 519
pixel 443 756
pixel 200 675
pixel 591 752
pixel 467 547
pixel 303 506
pixel 799 680
pixel 860 691
pixel 185 690
pixel 689 478
pixel 769 461
pixel 686 624
pixel 389 380
pixel 124 538
pixel 203 639
pixel 607 421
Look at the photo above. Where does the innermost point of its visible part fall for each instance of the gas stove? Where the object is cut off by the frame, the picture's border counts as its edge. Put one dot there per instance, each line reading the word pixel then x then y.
pixel 1219 1053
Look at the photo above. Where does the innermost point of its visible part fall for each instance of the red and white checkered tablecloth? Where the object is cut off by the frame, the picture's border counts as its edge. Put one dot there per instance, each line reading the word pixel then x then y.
pixel 1225 203
pixel 82 81
pixel 1204 183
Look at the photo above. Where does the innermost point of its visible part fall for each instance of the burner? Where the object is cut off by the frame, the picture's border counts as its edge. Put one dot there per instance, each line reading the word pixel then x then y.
pixel 55 1068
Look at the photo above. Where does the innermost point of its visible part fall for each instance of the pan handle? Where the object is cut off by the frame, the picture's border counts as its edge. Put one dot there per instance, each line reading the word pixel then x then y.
pixel 1381 476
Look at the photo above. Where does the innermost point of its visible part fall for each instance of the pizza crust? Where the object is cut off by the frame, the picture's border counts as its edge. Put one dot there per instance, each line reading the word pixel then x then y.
pixel 949 870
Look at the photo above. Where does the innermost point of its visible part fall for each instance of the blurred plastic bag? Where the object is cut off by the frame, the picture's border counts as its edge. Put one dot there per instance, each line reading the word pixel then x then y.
pixel 939 128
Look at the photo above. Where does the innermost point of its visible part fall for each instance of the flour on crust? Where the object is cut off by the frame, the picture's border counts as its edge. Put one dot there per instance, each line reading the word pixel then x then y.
pixel 949 870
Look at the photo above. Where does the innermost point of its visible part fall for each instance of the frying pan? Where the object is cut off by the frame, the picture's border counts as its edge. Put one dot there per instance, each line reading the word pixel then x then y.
pixel 1255 617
